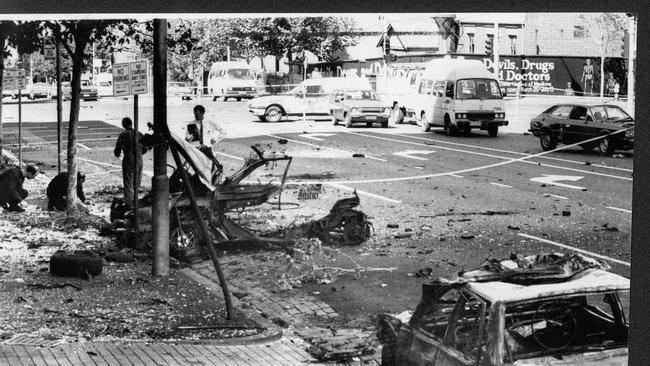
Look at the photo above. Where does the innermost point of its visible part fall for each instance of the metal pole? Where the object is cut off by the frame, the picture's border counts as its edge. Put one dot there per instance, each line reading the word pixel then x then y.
pixel 20 129
pixel 631 59
pixel 207 241
pixel 59 105
pixel 136 180
pixel 160 181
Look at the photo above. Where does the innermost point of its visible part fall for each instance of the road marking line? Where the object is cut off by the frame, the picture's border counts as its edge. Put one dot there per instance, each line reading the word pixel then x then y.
pixel 454 175
pixel 556 196
pixel 501 185
pixel 84 146
pixel 552 180
pixel 147 173
pixel 104 172
pixel 325 147
pixel 229 156
pixel 313 136
pixel 409 154
pixel 576 249
pixel 513 152
pixel 619 209
pixel 522 159
pixel 337 185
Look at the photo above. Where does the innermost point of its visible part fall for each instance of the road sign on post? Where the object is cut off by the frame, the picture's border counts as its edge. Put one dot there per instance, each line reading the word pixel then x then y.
pixel 49 52
pixel 138 72
pixel 121 80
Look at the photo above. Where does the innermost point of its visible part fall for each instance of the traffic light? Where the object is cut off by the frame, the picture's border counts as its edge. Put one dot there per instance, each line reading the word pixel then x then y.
pixel 489 43
pixel 625 45
pixel 386 44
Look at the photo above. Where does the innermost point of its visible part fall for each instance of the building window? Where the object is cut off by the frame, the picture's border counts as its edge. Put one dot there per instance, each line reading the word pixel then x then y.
pixel 579 31
pixel 513 44
pixel 471 42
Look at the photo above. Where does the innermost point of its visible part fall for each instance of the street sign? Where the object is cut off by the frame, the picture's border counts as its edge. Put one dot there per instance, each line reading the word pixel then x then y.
pixel 121 80
pixel 20 78
pixel 138 77
pixel 13 79
pixel 49 52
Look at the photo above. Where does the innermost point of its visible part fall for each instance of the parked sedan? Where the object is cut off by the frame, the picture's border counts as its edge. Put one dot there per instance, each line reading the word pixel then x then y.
pixel 310 98
pixel 178 88
pixel 359 106
pixel 41 90
pixel 89 90
pixel 550 309
pixel 574 123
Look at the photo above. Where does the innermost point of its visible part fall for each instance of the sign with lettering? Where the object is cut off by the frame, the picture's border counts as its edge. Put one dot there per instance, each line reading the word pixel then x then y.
pixel 13 79
pixel 121 80
pixel 138 77
pixel 49 52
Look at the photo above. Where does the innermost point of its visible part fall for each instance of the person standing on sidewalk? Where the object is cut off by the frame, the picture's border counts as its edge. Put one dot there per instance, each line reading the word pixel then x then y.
pixel 131 161
pixel 11 187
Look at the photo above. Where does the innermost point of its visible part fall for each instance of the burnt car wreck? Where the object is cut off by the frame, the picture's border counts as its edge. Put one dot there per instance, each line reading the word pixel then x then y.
pixel 539 310
pixel 216 196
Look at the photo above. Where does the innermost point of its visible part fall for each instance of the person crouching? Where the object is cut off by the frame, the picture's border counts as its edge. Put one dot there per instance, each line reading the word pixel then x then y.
pixel 57 191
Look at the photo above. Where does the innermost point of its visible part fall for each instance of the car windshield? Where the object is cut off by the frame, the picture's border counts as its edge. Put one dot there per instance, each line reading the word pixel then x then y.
pixel 566 325
pixel 361 95
pixel 478 89
pixel 610 113
pixel 243 74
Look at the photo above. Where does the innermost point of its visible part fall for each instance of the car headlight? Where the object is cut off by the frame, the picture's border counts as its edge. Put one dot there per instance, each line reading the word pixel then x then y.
pixel 461 115
pixel 387 111
pixel 354 111
pixel 629 133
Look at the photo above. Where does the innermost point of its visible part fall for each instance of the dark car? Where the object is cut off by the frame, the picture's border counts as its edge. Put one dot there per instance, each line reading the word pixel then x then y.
pixel 550 309
pixel 359 106
pixel 574 123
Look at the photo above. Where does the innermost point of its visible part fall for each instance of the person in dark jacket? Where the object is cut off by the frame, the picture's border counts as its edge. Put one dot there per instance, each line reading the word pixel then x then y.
pixel 11 187
pixel 132 159
pixel 57 191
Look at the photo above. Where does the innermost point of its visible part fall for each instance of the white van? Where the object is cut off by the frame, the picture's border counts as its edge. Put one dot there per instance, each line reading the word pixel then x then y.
pixel 457 95
pixel 231 79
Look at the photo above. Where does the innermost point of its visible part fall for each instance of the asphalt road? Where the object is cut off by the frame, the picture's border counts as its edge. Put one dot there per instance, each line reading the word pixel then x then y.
pixel 462 198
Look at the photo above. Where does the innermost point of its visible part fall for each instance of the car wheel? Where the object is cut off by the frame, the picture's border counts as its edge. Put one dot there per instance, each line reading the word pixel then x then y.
pixel 335 120
pixel 425 125
pixel 185 242
pixel 273 114
pixel 239 99
pixel 449 129
pixel 548 141
pixel 368 124
pixel 348 120
pixel 262 118
pixel 605 145
pixel 384 124
pixel 493 130
pixel 79 263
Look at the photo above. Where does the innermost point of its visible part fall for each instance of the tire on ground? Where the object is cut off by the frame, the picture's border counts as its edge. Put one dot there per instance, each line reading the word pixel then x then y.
pixel 79 263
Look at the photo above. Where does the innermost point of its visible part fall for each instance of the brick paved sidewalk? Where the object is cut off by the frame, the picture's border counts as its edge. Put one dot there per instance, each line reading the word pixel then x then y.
pixel 282 352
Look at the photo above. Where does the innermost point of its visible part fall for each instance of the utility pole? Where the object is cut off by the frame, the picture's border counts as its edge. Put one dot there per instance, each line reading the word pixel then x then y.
pixel 631 59
pixel 59 104
pixel 160 181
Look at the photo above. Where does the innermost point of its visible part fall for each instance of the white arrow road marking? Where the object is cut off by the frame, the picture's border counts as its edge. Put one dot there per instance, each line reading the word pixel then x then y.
pixel 408 153
pixel 619 209
pixel 576 249
pixel 313 136
pixel 551 179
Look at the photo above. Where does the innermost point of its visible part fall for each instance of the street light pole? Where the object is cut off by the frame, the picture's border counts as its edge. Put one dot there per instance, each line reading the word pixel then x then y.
pixel 160 181
pixel 59 105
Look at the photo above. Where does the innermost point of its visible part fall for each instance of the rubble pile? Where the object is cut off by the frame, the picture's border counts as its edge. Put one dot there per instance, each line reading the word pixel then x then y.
pixel 342 345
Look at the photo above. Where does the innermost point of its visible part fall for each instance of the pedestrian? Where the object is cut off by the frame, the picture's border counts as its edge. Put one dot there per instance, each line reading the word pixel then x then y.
pixel 57 191
pixel 11 187
pixel 205 134
pixel 617 89
pixel 588 77
pixel 131 161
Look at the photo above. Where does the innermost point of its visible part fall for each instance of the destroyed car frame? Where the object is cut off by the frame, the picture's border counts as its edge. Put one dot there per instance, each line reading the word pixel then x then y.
pixel 568 311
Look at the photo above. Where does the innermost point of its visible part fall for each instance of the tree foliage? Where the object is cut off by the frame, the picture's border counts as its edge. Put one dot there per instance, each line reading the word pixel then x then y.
pixel 606 30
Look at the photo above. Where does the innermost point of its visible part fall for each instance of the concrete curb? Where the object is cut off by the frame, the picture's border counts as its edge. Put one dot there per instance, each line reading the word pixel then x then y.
pixel 271 333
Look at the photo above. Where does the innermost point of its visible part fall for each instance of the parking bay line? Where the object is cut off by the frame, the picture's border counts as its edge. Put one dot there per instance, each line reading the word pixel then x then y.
pixel 523 159
pixel 324 147
pixel 500 185
pixel 619 209
pixel 341 186
pixel 556 196
pixel 514 152
pixel 575 249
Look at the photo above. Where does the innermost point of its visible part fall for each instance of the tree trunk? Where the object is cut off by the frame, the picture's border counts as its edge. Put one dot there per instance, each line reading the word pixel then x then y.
pixel 75 86
pixel 290 58
pixel 2 67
